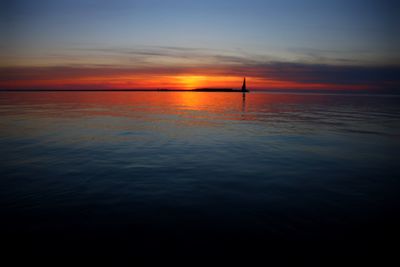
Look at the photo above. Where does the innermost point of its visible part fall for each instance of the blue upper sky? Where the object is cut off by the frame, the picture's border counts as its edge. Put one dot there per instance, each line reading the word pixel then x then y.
pixel 352 31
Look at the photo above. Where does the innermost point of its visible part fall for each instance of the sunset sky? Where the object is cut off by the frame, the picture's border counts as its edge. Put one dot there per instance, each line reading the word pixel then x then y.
pixel 121 44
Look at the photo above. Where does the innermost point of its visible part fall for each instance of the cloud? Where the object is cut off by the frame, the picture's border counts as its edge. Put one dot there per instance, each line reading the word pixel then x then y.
pixel 317 73
pixel 151 54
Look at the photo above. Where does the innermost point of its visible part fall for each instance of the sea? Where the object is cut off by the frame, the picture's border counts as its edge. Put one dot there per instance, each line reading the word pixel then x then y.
pixel 198 171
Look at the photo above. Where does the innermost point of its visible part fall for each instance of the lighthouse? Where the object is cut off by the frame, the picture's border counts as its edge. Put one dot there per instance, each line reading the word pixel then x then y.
pixel 244 90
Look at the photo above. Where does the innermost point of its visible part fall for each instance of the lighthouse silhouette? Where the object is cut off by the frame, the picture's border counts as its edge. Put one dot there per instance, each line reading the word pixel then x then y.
pixel 244 89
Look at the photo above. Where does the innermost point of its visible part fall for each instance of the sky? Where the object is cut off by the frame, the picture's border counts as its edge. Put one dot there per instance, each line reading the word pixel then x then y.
pixel 121 44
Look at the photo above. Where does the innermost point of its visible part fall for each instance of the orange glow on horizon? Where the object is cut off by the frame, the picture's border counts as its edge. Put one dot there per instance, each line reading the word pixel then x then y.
pixel 179 82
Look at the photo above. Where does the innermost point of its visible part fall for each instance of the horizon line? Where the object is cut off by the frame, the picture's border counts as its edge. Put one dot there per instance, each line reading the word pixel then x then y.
pixel 217 90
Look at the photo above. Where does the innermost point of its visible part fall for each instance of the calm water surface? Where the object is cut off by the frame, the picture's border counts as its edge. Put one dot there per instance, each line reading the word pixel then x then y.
pixel 196 167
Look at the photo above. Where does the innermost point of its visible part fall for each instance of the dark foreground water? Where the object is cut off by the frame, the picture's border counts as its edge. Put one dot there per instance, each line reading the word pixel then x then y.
pixel 191 171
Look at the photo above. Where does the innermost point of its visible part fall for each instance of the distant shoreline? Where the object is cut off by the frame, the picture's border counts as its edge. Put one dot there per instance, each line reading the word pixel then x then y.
pixel 211 90
pixel 125 90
